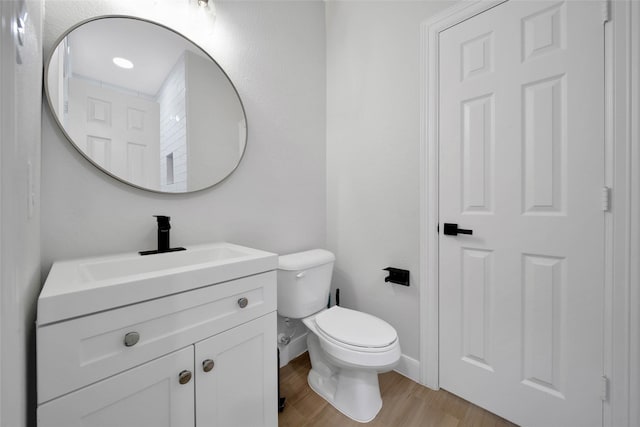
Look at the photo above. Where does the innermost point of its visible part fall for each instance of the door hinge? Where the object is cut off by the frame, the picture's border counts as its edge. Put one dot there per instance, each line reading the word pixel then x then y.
pixel 606 199
pixel 606 10
pixel 604 388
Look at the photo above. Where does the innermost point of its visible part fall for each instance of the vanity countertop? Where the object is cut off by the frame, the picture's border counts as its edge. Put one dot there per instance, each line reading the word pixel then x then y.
pixel 83 286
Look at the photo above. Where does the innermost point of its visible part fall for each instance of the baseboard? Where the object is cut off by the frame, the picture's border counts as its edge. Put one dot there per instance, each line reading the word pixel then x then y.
pixel 295 348
pixel 409 367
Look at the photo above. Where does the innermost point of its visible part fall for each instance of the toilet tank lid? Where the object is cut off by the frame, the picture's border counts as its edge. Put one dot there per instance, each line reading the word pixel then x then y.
pixel 304 260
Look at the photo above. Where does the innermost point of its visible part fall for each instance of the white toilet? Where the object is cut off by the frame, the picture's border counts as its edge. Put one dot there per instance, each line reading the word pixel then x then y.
pixel 347 348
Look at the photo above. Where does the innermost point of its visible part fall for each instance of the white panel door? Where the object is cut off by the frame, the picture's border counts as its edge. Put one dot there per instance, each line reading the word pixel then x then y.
pixel 236 376
pixel 521 165
pixel 150 395
pixel 119 132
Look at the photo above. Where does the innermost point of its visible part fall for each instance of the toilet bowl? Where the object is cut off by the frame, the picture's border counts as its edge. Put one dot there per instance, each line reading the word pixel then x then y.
pixel 347 348
pixel 345 371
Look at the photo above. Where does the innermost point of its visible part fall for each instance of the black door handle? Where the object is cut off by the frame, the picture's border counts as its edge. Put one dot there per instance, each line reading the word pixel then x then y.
pixel 453 230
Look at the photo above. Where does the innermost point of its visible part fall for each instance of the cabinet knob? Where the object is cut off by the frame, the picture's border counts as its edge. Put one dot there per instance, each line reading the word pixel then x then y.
pixel 184 377
pixel 207 365
pixel 242 302
pixel 131 339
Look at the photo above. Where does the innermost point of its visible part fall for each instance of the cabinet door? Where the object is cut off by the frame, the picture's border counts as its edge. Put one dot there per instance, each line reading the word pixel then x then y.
pixel 240 389
pixel 149 395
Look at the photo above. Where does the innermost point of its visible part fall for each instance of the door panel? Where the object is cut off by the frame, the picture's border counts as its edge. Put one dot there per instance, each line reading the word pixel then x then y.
pixel 122 131
pixel 240 388
pixel 521 115
pixel 148 395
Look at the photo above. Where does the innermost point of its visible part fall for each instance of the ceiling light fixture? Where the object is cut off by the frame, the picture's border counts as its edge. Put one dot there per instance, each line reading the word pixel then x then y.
pixel 123 63
pixel 203 3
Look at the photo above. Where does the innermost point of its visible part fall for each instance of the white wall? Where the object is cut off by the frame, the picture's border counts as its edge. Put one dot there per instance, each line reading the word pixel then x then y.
pixel 373 125
pixel 274 53
pixel 20 108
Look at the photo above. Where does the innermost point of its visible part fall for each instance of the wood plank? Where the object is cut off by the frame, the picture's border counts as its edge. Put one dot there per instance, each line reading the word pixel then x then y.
pixel 404 404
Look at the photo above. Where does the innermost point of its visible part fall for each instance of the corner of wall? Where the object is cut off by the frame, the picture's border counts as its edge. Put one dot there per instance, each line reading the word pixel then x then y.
pixel 20 135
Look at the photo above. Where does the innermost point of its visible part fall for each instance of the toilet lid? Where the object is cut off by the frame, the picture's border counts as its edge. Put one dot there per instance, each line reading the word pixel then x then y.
pixel 355 328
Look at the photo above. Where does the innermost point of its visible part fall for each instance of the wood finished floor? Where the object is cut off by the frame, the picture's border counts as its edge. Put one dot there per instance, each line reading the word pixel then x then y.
pixel 404 404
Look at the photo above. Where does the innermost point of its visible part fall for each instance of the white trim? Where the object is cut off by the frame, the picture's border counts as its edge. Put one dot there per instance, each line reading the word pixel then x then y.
pixel 634 255
pixel 409 367
pixel 621 352
pixel 614 192
pixel 430 30
pixel 3 55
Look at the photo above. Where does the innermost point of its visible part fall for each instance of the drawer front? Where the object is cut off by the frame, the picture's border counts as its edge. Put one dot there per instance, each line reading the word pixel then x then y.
pixel 81 351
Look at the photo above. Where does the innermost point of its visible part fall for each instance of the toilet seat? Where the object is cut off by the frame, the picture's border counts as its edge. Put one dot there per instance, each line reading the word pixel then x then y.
pixel 344 354
pixel 355 330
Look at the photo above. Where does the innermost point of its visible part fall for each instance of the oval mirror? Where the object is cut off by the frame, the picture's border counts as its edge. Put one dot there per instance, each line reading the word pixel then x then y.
pixel 146 105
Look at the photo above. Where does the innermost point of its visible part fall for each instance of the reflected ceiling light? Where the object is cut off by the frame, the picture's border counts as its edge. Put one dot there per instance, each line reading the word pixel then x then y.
pixel 203 3
pixel 123 63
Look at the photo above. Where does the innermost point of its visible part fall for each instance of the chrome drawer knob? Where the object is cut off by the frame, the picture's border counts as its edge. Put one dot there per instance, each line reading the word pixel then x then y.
pixel 242 302
pixel 184 377
pixel 207 365
pixel 131 339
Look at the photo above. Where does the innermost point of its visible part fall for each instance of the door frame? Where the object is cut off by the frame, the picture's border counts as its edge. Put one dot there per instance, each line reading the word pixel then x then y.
pixel 621 296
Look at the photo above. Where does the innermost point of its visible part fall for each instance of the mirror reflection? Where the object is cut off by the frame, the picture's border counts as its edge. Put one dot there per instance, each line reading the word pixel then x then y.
pixel 146 105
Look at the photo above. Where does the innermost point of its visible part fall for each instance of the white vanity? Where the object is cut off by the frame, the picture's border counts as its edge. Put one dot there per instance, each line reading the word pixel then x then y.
pixel 176 339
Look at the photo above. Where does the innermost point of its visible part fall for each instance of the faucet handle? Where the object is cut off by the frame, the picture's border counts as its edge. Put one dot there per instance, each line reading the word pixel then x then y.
pixel 163 221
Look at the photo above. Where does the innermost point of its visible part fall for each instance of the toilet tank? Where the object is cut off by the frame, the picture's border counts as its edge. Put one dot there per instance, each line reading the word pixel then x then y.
pixel 304 282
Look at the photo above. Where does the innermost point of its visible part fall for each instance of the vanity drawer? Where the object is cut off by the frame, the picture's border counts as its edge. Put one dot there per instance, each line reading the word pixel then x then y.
pixel 81 351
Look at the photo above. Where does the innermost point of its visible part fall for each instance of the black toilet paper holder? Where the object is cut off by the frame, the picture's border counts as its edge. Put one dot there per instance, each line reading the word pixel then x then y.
pixel 397 275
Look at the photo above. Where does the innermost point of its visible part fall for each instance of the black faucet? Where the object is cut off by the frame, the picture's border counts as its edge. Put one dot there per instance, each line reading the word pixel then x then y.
pixel 163 237
pixel 163 232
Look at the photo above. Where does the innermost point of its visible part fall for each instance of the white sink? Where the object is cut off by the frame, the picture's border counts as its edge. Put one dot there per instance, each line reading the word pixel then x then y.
pixel 131 265
pixel 84 286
